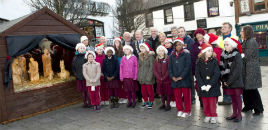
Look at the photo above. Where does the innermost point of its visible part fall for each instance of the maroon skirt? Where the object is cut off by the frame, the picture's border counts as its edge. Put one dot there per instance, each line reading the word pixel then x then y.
pixel 233 91
pixel 130 85
pixel 112 84
pixel 164 89
pixel 81 85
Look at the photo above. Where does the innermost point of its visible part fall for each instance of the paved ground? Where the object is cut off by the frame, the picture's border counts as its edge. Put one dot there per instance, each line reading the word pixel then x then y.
pixel 77 118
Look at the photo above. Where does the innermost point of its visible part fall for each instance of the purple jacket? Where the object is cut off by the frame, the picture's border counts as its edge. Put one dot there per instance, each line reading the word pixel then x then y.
pixel 194 54
pixel 129 68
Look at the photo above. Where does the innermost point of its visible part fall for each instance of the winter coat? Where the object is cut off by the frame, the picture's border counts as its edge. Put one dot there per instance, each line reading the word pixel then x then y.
pixel 155 42
pixel 208 73
pixel 92 73
pixel 161 70
pixel 77 66
pixel 251 65
pixel 194 54
pixel 136 49
pixel 231 69
pixel 145 70
pixel 189 41
pixel 110 68
pixel 129 68
pixel 170 51
pixel 180 66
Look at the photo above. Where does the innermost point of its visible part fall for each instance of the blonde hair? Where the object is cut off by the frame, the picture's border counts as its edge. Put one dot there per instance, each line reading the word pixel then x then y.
pixel 203 57
pixel 161 34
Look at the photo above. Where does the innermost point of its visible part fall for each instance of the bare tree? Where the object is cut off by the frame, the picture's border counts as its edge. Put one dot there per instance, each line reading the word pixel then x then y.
pixel 73 10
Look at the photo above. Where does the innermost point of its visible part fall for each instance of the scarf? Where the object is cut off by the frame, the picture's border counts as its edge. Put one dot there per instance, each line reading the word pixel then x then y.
pixel 226 61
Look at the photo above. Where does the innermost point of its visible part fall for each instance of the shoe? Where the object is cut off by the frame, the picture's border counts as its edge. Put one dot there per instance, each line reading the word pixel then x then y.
pixel 162 107
pixel 107 103
pixel 102 103
pixel 144 104
pixel 237 119
pixel 168 108
pixel 116 102
pixel 85 106
pixel 193 101
pixel 112 103
pixel 224 103
pixel 230 117
pixel 124 101
pixel 150 106
pixel 213 120
pixel 257 113
pixel 173 104
pixel 184 115
pixel 133 105
pixel 98 107
pixel 129 105
pixel 179 114
pixel 246 109
pixel 207 119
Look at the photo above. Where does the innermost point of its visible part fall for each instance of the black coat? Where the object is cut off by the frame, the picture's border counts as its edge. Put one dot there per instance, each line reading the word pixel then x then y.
pixel 155 42
pixel 110 68
pixel 136 49
pixel 77 66
pixel 180 66
pixel 208 73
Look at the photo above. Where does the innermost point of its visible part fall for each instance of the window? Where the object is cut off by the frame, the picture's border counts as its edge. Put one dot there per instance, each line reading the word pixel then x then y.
pixel 149 20
pixel 259 5
pixel 213 8
pixel 253 6
pixel 189 12
pixel 168 16
pixel 244 6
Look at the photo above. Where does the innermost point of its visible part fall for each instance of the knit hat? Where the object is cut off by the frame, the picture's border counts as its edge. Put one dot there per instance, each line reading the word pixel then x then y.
pixel 205 47
pixel 179 40
pixel 199 30
pixel 211 38
pixel 79 45
pixel 234 43
pixel 161 47
pixel 128 47
pixel 117 38
pixel 83 38
pixel 99 46
pixel 90 52
pixel 169 40
pixel 109 48
pixel 147 46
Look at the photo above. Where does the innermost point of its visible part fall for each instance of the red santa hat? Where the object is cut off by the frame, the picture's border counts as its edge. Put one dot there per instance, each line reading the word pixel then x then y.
pixel 128 47
pixel 118 39
pixel 147 46
pixel 79 45
pixel 161 47
pixel 169 40
pixel 211 38
pixel 234 43
pixel 109 48
pixel 179 40
pixel 90 52
pixel 205 47
pixel 99 46
pixel 83 38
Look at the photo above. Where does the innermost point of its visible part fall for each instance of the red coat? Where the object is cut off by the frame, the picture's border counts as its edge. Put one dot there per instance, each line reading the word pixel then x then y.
pixel 161 71
pixel 218 52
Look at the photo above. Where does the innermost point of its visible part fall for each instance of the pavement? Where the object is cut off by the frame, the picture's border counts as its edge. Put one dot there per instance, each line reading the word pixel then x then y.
pixel 77 118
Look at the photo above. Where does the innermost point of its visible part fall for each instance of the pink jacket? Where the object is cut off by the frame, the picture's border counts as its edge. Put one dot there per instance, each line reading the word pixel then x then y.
pixel 129 68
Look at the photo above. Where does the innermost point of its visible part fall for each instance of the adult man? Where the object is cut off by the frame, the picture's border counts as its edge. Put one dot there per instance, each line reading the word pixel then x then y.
pixel 226 32
pixel 154 38
pixel 188 41
pixel 174 32
pixel 127 40
pixel 139 40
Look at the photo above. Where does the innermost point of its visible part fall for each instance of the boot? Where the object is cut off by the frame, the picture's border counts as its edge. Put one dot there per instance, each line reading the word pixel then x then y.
pixel 112 102
pixel 116 102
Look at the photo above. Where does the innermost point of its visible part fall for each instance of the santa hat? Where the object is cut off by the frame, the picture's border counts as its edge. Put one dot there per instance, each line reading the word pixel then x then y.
pixel 117 38
pixel 109 48
pixel 199 30
pixel 161 47
pixel 99 46
pixel 211 38
pixel 234 43
pixel 83 38
pixel 169 40
pixel 179 40
pixel 90 52
pixel 79 45
pixel 128 47
pixel 205 47
pixel 147 46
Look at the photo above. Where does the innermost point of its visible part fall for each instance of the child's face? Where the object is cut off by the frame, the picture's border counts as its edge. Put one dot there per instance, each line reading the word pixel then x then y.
pixel 228 47
pixel 117 43
pixel 109 53
pixel 179 46
pixel 168 45
pixel 127 52
pixel 208 53
pixel 143 49
pixel 99 51
pixel 81 49
pixel 90 58
pixel 85 42
pixel 161 53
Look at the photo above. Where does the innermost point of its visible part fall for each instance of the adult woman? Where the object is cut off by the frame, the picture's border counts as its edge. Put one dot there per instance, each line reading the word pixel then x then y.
pixel 162 38
pixel 251 72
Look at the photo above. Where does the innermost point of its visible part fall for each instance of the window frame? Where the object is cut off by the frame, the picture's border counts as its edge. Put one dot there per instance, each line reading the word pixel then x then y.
pixel 147 20
pixel 209 8
pixel 190 4
pixel 251 8
pixel 165 16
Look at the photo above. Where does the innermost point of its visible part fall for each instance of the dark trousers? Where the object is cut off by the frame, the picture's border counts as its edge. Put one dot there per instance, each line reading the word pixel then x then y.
pixel 252 100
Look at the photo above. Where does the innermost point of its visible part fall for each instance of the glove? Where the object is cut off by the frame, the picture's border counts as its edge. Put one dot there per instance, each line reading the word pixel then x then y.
pixel 208 87
pixel 203 87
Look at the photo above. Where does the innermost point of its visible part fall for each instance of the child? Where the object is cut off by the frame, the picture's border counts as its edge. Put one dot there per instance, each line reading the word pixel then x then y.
pixel 84 40
pixel 162 77
pixel 99 49
pixel 213 40
pixel 77 65
pixel 169 45
pixel 179 71
pixel 128 74
pixel 207 74
pixel 119 54
pixel 231 76
pixel 92 73
pixel 110 71
pixel 146 75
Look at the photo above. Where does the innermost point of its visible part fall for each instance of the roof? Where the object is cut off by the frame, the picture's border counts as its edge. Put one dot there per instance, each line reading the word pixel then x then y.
pixel 6 25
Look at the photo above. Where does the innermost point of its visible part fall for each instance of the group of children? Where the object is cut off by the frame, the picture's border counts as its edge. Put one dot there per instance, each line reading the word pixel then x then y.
pixel 103 74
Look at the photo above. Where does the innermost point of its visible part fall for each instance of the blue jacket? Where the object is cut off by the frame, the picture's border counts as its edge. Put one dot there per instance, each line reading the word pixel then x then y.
pixel 189 41
pixel 180 66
